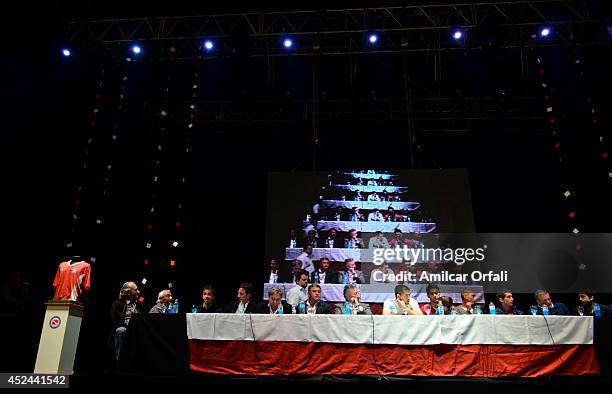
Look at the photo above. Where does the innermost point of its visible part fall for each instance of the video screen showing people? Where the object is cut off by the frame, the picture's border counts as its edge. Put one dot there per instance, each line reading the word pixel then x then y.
pixel 330 224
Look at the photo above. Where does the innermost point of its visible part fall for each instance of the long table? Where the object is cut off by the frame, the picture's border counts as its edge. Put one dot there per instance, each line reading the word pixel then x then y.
pixel 281 345
pixel 476 346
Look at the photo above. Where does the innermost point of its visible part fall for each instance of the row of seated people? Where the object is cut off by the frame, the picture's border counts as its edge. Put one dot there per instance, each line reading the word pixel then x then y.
pixel 354 240
pixel 306 299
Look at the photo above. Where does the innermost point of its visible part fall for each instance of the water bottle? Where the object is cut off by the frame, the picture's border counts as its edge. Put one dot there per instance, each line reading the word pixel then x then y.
pixel 440 310
pixel 545 310
pixel 302 308
pixel 596 310
pixel 347 308
pixel 194 309
pixel 491 308
pixel 393 308
pixel 453 310
pixel 170 308
pixel 292 243
pixel 345 278
pixel 316 277
pixel 279 311
pixel 176 305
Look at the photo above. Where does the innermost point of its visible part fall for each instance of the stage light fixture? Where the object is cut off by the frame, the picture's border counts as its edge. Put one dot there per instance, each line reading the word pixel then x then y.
pixel 545 32
pixel 287 43
pixel 457 34
pixel 208 44
pixel 373 38
pixel 136 50
pixel 66 52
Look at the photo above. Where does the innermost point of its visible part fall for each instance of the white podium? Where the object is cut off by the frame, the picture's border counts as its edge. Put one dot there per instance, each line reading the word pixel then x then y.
pixel 59 338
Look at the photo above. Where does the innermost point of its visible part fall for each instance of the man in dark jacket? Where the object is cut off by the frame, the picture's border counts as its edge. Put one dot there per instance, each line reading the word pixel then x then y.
pixel 208 301
pixel 244 303
pixel 275 304
pixel 122 311
pixel 314 305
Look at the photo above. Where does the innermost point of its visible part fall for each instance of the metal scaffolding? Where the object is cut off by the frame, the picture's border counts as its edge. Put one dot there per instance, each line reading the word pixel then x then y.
pixel 411 28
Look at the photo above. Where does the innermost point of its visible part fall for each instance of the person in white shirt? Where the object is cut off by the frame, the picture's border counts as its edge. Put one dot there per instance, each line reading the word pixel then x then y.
pixel 306 260
pixel 376 216
pixel 403 304
pixel 374 197
pixel 298 294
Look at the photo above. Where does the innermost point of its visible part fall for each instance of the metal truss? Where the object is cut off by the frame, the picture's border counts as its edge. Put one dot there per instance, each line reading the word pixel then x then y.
pixel 421 28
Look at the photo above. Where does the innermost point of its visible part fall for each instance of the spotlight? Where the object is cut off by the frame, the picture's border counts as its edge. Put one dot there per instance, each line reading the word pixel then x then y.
pixel 287 43
pixel 457 34
pixel 208 44
pixel 373 38
pixel 545 32
pixel 66 52
pixel 136 49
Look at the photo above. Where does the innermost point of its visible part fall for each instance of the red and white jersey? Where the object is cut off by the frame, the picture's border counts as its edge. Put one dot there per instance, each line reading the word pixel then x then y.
pixel 71 279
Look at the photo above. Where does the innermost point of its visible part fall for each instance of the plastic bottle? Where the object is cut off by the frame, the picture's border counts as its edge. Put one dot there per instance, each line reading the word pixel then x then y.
pixel 302 308
pixel 545 310
pixel 170 309
pixel 596 310
pixel 176 305
pixel 316 277
pixel 440 310
pixel 347 309
pixel 345 278
pixel 279 311
pixel 492 308
pixel 453 310
pixel 393 308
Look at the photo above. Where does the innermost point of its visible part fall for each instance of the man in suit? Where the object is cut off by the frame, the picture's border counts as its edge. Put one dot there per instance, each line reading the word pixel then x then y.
pixel 275 304
pixel 244 302
pixel 208 301
pixel 314 305
pixel 323 274
pixel 351 274
pixel 352 296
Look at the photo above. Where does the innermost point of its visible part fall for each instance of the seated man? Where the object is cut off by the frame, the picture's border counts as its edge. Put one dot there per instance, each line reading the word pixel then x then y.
pixel 351 295
pixel 296 268
pixel 506 304
pixel 208 301
pixel 331 241
pixel 356 216
pixel 402 304
pixel 275 304
pixel 314 305
pixel 376 216
pixel 542 298
pixel 434 295
pixel 586 301
pixel 122 311
pixel 468 298
pixel 312 239
pixel 379 241
pixel 382 274
pixel 353 241
pixel 374 197
pixel 351 274
pixel 298 293
pixel 163 302
pixel 323 274
pixel 244 302
pixel 272 275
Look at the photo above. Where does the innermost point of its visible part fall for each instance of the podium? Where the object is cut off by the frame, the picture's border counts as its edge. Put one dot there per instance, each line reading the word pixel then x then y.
pixel 59 338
